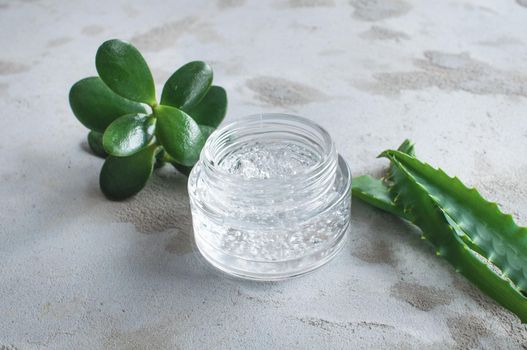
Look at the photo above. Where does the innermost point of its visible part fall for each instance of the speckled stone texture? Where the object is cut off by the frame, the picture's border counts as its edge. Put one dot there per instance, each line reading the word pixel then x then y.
pixel 80 272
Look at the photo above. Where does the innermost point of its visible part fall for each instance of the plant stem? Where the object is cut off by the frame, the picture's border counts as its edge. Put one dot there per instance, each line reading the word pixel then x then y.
pixel 168 158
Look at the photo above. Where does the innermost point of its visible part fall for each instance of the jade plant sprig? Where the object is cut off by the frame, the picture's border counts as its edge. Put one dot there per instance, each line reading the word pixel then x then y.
pixel 131 129
pixel 471 233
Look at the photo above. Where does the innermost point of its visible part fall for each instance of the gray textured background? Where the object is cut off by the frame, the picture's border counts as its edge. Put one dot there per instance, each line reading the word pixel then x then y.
pixel 78 271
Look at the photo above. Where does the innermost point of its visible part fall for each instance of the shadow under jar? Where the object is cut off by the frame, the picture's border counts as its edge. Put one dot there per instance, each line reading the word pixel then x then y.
pixel 270 197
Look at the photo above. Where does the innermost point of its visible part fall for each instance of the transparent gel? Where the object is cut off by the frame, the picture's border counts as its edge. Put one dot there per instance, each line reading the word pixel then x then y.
pixel 270 197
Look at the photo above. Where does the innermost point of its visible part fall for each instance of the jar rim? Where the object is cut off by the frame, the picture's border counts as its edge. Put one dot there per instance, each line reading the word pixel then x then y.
pixel 328 146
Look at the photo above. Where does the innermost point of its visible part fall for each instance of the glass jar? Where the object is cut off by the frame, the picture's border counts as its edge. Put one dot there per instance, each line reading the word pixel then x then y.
pixel 270 197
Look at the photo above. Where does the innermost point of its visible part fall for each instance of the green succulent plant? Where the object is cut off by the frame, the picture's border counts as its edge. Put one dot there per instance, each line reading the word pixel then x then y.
pixel 483 244
pixel 131 129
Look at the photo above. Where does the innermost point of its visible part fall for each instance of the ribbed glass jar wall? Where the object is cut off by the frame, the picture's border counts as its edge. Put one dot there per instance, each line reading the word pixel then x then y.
pixel 270 197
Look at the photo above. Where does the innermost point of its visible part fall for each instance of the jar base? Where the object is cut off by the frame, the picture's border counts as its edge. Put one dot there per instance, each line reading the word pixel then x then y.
pixel 271 270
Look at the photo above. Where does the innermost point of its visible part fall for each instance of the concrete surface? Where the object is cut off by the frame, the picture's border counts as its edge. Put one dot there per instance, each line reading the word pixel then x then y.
pixel 80 272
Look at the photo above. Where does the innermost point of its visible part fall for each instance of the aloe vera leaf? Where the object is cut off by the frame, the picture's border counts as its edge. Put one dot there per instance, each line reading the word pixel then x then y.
pixel 433 222
pixel 463 235
pixel 379 194
pixel 406 147
pixel 496 235
pixel 374 192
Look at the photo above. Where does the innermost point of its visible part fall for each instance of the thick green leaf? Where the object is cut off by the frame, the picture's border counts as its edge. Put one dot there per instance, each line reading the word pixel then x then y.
pixel 206 130
pixel 211 109
pixel 96 106
pixel 406 147
pixel 160 158
pixel 496 235
pixel 187 86
pixel 469 232
pixel 448 242
pixel 122 67
pixel 375 192
pixel 179 134
pixel 95 143
pixel 129 134
pixel 122 177
pixel 185 170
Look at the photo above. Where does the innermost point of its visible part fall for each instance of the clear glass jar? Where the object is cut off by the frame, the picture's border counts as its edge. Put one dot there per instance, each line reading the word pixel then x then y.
pixel 270 197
